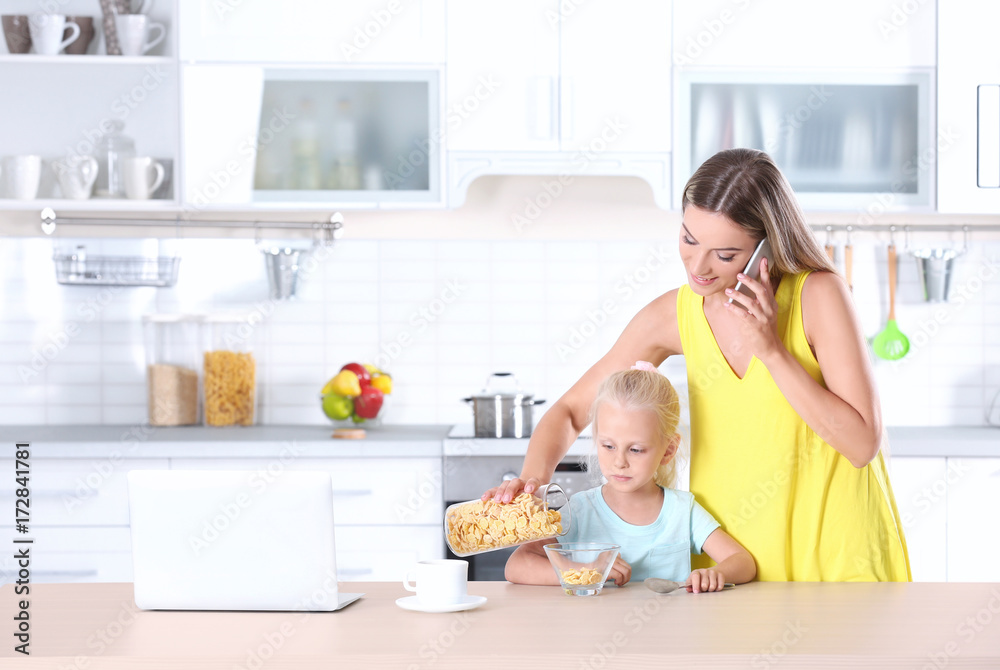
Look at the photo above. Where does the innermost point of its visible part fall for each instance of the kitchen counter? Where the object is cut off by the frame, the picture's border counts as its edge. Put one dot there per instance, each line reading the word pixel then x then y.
pixel 795 625
pixel 391 441
pixel 144 441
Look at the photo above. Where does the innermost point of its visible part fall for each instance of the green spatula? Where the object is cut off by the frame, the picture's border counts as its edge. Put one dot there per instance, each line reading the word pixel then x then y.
pixel 891 344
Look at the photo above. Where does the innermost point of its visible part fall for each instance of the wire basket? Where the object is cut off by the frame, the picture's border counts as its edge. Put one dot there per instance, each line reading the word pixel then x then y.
pixel 117 270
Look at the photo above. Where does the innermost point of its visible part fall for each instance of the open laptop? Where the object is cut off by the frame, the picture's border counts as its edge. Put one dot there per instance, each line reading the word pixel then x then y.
pixel 234 540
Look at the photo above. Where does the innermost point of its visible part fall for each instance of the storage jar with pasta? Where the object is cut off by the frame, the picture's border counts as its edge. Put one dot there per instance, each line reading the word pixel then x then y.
pixel 475 526
pixel 172 366
pixel 230 371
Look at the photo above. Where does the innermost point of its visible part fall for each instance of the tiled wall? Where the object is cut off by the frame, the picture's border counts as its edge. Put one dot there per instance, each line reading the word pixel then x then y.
pixel 440 315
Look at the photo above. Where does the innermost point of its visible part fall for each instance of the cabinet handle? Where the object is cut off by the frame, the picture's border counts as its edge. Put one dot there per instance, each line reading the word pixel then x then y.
pixel 352 492
pixel 43 493
pixel 988 174
pixel 567 129
pixel 541 112
pixel 64 573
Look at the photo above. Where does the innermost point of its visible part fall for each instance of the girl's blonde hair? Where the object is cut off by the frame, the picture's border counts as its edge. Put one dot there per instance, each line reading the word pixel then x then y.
pixel 747 188
pixel 643 390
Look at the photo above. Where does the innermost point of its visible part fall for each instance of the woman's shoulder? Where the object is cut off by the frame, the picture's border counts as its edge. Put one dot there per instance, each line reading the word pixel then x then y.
pixel 823 292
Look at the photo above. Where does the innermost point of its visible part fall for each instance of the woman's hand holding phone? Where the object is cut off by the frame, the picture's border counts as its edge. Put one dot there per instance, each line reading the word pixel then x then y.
pixel 759 315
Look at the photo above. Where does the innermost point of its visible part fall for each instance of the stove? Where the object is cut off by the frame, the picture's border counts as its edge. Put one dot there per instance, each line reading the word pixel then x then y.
pixel 474 464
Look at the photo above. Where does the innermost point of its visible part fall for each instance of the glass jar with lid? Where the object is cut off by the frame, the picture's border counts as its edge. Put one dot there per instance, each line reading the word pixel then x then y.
pixel 172 344
pixel 475 526
pixel 229 379
pixel 111 151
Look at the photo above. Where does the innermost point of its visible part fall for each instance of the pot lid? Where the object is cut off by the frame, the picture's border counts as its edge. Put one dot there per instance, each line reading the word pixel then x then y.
pixel 502 385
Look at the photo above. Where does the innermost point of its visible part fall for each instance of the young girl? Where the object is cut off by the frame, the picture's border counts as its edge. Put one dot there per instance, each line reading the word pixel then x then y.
pixel 635 417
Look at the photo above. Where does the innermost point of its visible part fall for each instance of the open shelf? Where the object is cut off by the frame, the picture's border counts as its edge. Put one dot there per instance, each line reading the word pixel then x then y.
pixel 85 59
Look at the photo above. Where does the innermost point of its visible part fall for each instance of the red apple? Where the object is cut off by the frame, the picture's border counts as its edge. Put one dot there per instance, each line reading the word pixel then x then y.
pixel 368 403
pixel 364 377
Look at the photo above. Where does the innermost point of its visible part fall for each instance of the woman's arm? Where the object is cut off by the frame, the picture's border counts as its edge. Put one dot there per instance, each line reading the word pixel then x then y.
pixel 733 564
pixel 651 335
pixel 845 414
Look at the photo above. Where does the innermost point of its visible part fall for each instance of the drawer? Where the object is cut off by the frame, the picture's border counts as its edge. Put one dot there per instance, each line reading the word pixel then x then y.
pixel 68 555
pixel 385 553
pixel 366 491
pixel 78 492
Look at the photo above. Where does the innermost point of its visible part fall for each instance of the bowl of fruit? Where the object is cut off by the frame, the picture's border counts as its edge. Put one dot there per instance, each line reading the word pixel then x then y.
pixel 356 396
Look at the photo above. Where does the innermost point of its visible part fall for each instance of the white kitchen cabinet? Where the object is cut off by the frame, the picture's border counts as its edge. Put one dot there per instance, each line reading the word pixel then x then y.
pixel 559 88
pixel 967 155
pixel 385 553
pixel 783 33
pixel 920 486
pixel 503 76
pixel 79 492
pixel 366 492
pixel 272 137
pixel 312 31
pixel 73 554
pixel 973 531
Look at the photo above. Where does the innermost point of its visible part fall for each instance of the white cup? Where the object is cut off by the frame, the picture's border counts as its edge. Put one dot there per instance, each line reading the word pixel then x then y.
pixel 136 173
pixel 21 175
pixel 133 33
pixel 76 176
pixel 439 583
pixel 47 33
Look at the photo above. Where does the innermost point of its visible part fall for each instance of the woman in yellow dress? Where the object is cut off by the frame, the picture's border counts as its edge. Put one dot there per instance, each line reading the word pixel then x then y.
pixel 786 427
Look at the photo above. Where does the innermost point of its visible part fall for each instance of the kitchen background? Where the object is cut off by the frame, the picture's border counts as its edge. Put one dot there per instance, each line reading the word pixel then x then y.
pixel 440 314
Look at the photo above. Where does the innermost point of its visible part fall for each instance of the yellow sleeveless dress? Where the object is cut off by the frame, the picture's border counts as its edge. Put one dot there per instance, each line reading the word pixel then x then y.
pixel 798 506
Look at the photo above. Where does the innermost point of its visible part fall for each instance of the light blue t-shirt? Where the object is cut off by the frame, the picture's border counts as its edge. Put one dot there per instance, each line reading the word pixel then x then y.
pixel 662 549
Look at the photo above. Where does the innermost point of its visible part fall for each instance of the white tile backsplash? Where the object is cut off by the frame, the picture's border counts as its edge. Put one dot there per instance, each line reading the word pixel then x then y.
pixel 543 310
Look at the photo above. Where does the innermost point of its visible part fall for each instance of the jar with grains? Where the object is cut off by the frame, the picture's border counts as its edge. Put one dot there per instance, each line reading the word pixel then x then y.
pixel 173 363
pixel 476 526
pixel 229 383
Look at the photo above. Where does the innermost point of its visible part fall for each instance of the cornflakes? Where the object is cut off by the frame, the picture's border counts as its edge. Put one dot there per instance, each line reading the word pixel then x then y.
pixel 483 526
pixel 582 577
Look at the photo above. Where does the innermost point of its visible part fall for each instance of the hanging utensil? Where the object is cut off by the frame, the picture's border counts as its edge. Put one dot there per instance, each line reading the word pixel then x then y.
pixel 831 249
pixel 891 344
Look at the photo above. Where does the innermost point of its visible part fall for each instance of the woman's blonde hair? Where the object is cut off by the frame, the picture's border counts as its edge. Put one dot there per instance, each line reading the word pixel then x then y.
pixel 747 188
pixel 643 390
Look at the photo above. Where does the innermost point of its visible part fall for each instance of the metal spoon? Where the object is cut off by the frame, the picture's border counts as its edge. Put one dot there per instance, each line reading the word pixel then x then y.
pixel 666 585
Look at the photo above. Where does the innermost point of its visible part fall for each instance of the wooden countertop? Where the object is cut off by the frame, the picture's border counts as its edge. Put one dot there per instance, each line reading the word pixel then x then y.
pixel 758 625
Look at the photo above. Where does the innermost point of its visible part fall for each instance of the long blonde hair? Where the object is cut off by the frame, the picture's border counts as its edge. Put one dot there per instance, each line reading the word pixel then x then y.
pixel 747 187
pixel 643 390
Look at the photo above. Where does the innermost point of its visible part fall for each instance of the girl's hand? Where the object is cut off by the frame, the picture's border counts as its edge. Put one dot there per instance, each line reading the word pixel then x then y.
pixel 509 489
pixel 706 579
pixel 621 572
pixel 759 323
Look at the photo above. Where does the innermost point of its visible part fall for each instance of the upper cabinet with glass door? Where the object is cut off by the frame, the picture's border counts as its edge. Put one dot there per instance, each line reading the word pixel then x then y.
pixel 312 31
pixel 307 138
pixel 561 88
pixel 848 140
pixel 968 143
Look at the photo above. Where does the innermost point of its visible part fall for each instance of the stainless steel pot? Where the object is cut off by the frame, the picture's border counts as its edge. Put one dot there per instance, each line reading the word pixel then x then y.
pixel 504 413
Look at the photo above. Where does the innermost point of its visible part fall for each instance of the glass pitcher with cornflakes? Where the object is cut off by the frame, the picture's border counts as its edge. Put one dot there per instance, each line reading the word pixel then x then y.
pixel 229 371
pixel 475 526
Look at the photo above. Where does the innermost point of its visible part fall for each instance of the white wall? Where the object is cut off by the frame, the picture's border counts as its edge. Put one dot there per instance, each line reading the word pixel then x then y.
pixel 542 303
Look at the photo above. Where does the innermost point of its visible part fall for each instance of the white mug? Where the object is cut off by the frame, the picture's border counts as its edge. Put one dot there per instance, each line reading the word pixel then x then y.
pixel 76 176
pixel 21 175
pixel 439 583
pixel 133 33
pixel 47 33
pixel 136 174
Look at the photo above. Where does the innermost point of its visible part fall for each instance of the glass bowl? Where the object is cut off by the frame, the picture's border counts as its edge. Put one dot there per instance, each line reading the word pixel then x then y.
pixel 582 567
pixel 474 526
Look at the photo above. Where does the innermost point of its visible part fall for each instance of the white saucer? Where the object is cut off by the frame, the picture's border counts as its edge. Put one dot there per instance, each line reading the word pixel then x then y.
pixel 467 603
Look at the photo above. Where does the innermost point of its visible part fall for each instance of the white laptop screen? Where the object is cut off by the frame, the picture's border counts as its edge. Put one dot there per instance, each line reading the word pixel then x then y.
pixel 232 540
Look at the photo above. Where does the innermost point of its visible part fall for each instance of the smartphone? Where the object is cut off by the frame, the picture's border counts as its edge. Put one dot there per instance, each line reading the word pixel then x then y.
pixel 752 270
